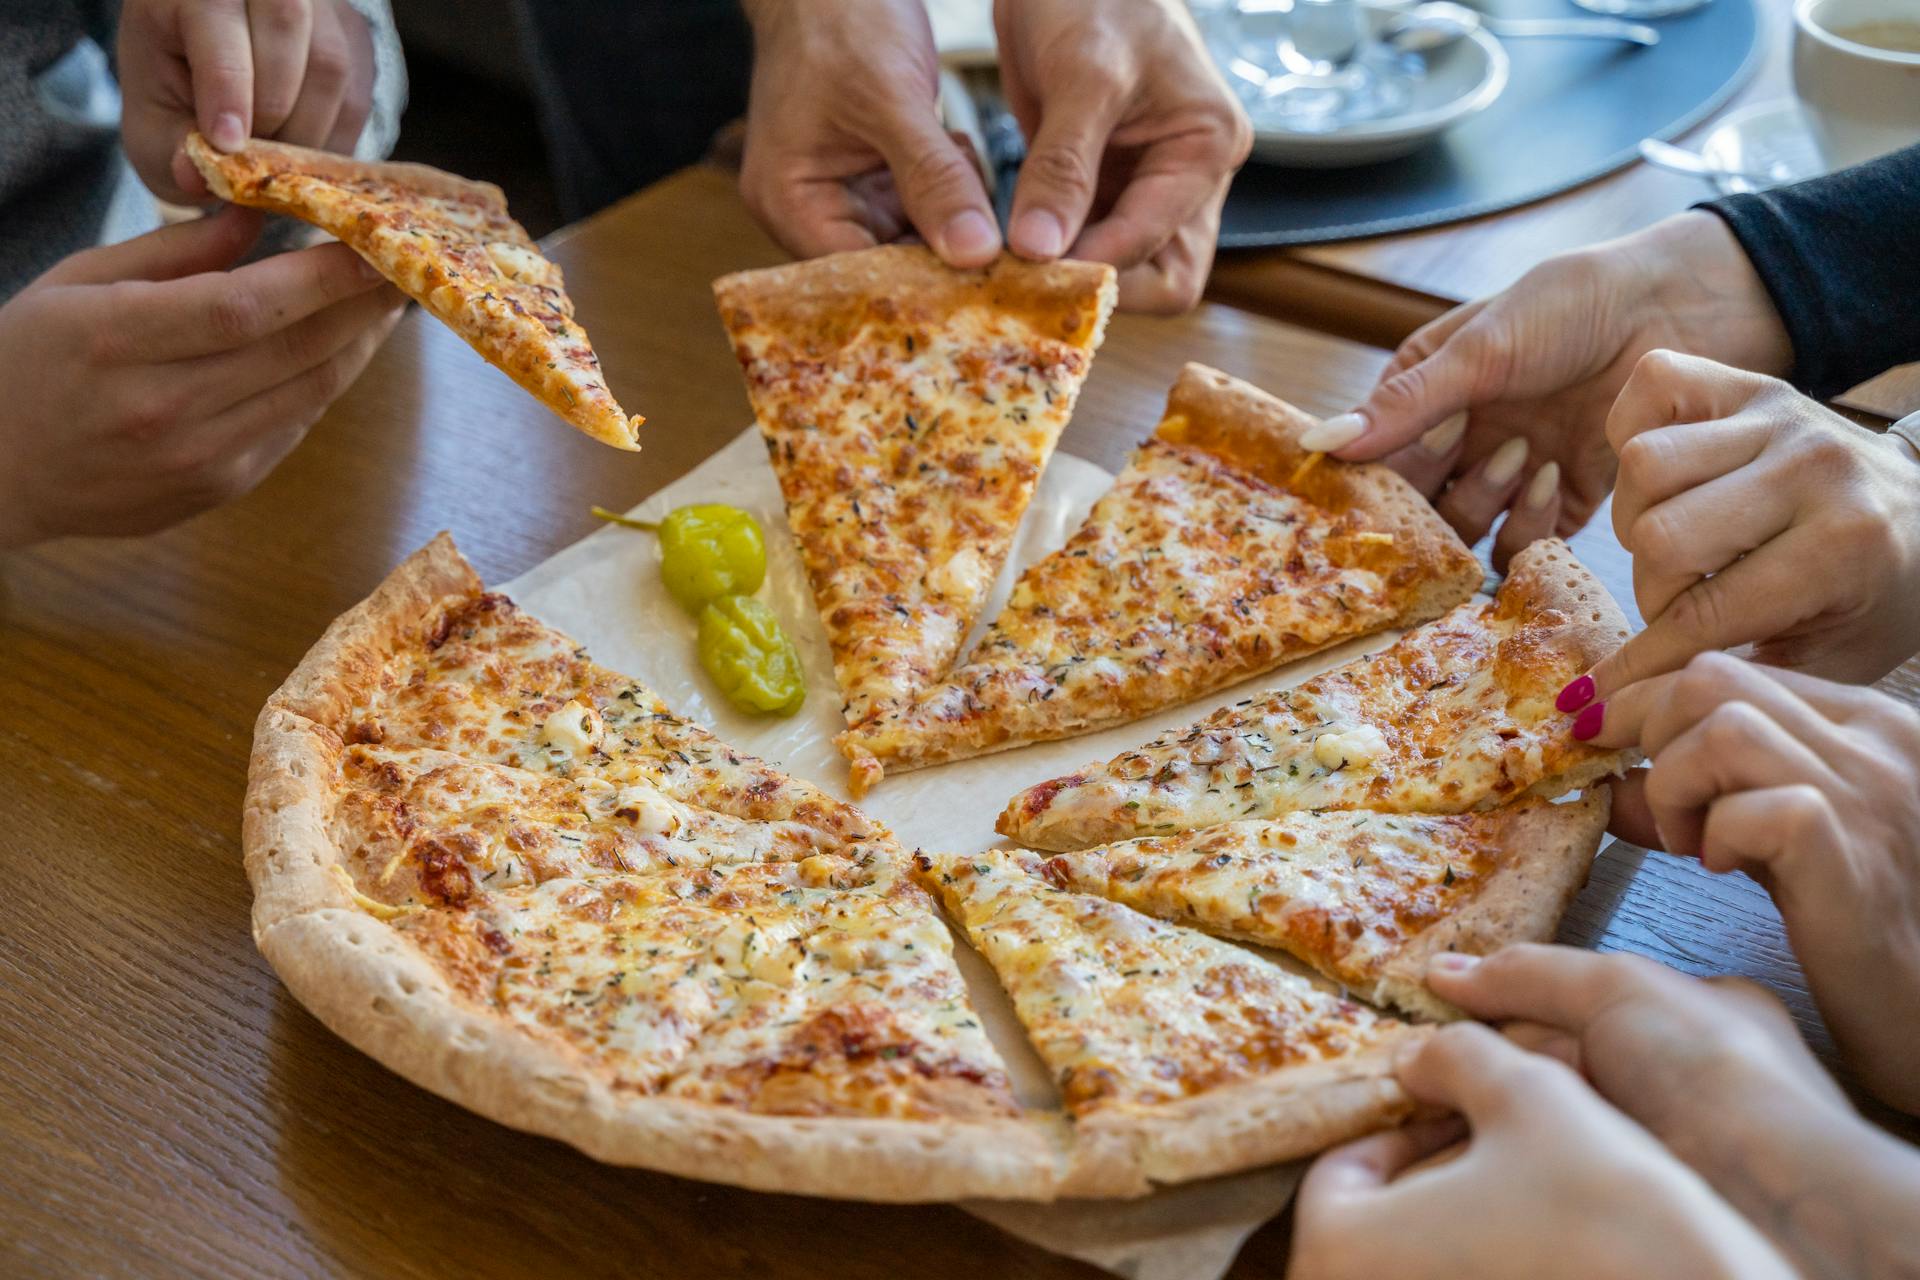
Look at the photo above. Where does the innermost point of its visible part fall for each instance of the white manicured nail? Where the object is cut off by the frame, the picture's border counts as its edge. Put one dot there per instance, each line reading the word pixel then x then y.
pixel 1545 483
pixel 1506 462
pixel 1440 441
pixel 1336 432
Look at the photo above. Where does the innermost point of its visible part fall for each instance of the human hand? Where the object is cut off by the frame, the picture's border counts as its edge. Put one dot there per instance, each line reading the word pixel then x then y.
pixel 1753 770
pixel 1543 361
pixel 1134 140
pixel 299 71
pixel 1756 516
pixel 145 382
pixel 1717 1073
pixel 844 147
pixel 1552 1183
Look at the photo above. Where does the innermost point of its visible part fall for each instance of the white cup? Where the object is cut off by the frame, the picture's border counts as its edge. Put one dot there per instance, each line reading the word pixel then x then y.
pixel 1856 69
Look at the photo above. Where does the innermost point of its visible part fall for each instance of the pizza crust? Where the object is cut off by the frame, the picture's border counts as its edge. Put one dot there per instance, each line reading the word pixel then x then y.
pixel 375 992
pixel 823 299
pixel 1548 856
pixel 1287 1114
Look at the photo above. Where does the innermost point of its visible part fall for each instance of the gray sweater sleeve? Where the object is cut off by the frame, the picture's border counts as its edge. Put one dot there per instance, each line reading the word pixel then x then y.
pixel 1840 256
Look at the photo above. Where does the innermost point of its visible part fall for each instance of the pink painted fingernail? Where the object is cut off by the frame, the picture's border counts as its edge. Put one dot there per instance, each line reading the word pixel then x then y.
pixel 1576 695
pixel 1453 962
pixel 1587 723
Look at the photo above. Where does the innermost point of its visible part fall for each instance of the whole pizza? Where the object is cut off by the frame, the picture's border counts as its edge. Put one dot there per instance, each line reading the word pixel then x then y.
pixel 520 880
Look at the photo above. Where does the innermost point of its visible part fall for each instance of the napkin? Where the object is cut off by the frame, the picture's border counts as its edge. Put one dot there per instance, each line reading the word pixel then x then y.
pixel 605 591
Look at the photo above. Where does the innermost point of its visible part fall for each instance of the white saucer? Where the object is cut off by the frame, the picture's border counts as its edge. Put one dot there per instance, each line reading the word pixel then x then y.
pixel 1768 138
pixel 1458 81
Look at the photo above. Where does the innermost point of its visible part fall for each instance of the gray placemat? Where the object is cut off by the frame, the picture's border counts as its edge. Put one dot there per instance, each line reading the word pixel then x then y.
pixel 1574 110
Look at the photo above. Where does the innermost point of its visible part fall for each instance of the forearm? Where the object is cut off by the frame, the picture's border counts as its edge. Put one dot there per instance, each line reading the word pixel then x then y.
pixel 1832 1192
pixel 1840 257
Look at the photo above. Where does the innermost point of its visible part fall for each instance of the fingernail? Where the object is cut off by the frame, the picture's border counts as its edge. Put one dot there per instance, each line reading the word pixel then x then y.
pixel 1545 483
pixel 1587 723
pixel 1337 432
pixel 1039 233
pixel 367 270
pixel 228 132
pixel 970 235
pixel 1577 694
pixel 1452 962
pixel 1506 462
pixel 1440 441
pixel 1407 1051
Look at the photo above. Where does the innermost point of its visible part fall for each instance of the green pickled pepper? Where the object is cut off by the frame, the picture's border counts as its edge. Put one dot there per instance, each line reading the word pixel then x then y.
pixel 743 648
pixel 709 550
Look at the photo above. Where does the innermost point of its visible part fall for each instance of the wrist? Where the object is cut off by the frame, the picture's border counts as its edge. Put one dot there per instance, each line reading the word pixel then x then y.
pixel 1697 292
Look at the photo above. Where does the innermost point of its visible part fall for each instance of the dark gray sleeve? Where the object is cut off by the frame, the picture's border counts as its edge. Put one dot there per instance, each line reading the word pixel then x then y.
pixel 1840 256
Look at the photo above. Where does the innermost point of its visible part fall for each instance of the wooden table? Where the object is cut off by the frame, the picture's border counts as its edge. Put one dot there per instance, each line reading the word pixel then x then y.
pixel 1378 290
pixel 166 1108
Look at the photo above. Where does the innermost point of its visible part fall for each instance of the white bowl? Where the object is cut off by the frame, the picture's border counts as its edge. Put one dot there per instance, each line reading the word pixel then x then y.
pixel 1462 79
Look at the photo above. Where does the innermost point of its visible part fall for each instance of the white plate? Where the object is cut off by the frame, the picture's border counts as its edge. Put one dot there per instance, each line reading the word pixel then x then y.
pixel 1459 81
pixel 1767 137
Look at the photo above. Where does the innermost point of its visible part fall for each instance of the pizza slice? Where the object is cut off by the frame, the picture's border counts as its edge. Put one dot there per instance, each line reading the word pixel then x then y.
pixel 1365 898
pixel 1223 550
pixel 483 679
pixel 908 410
pixel 450 245
pixel 1456 715
pixel 825 987
pixel 1177 1055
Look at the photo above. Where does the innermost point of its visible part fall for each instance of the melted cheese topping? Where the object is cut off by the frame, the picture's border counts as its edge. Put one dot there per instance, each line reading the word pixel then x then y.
pixel 1186 576
pixel 1127 1010
pixel 1457 715
pixel 576 860
pixel 908 442
pixel 463 258
pixel 1344 892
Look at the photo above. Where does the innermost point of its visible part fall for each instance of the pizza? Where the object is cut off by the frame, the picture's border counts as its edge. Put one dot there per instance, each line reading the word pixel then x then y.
pixel 519 880
pixel 1365 898
pixel 1223 550
pixel 1456 715
pixel 449 244
pixel 1172 1050
pixel 908 410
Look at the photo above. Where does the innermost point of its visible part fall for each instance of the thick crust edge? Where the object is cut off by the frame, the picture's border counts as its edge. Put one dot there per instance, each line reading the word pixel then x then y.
pixel 1069 300
pixel 1549 853
pixel 1287 1114
pixel 369 988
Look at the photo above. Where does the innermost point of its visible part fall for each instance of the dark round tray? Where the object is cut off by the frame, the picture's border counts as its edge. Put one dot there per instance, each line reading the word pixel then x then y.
pixel 1574 110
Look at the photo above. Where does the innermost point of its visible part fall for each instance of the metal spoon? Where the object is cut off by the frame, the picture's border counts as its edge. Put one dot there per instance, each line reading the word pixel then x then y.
pixel 1664 155
pixel 1429 27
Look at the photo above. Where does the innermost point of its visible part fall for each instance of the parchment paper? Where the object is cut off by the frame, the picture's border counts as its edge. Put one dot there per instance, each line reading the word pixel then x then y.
pixel 605 591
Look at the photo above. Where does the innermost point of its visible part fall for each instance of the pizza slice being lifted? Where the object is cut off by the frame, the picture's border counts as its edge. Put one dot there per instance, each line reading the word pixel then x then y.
pixel 1223 550
pixel 1365 898
pixel 1177 1056
pixel 450 245
pixel 908 410
pixel 1456 715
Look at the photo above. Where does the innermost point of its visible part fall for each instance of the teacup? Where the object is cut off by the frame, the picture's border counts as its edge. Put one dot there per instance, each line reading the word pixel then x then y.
pixel 1856 69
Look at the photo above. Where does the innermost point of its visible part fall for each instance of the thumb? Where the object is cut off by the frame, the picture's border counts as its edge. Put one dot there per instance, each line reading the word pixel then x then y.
pixel 1062 168
pixel 1408 404
pixel 940 189
pixel 211 243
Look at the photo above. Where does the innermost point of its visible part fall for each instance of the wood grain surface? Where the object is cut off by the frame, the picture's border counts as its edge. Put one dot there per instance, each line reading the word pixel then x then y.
pixel 1380 289
pixel 166 1109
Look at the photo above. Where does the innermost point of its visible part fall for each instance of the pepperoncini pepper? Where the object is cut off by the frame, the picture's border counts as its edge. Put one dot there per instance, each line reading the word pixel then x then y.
pixel 747 654
pixel 709 550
